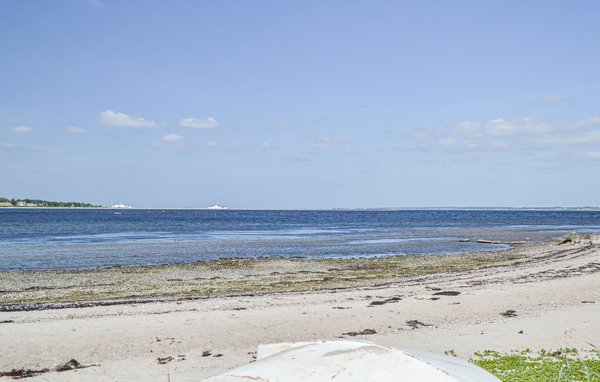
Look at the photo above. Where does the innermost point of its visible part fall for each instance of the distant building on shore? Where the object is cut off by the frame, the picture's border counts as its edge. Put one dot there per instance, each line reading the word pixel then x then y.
pixel 22 203
pixel 6 204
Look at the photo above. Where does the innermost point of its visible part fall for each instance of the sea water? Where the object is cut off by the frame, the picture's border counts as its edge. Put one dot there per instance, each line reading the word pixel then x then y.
pixel 38 238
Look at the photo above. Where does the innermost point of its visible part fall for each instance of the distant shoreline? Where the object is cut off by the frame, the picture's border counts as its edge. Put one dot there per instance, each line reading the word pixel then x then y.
pixel 391 209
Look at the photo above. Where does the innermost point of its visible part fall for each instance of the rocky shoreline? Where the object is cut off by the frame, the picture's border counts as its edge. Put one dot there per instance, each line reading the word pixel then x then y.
pixel 38 290
pixel 62 289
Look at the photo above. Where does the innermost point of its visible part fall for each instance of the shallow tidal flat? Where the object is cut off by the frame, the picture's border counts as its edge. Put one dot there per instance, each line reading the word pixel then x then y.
pixel 534 296
pixel 24 290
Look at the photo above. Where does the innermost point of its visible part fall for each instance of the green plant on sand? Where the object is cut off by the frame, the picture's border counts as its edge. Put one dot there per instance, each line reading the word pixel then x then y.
pixel 561 365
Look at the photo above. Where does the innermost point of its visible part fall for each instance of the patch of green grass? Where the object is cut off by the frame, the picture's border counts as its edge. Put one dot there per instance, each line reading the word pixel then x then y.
pixel 561 366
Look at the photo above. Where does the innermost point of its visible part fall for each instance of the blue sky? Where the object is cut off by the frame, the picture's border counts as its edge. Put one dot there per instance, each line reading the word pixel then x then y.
pixel 304 104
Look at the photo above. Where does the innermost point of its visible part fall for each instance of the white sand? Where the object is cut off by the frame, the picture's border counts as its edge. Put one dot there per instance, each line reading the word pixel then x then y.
pixel 125 340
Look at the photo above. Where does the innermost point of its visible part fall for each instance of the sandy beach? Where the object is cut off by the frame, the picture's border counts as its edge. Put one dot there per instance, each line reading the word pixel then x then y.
pixel 211 317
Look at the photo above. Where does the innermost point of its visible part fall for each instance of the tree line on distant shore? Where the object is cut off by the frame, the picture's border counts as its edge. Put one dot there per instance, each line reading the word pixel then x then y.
pixel 41 203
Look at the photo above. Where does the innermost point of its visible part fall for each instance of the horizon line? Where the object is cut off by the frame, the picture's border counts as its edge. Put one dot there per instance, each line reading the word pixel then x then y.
pixel 330 208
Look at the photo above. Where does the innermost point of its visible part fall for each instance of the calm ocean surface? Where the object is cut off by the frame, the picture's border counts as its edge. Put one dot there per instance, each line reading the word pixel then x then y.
pixel 91 238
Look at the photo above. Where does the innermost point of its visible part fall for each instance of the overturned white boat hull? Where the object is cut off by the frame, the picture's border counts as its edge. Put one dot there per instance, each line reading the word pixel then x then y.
pixel 348 361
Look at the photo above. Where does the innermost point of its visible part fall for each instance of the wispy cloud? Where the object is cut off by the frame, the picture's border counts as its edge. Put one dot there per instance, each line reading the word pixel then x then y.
pixel 554 98
pixel 76 130
pixel 448 142
pixel 172 138
pixel 529 135
pixel 426 133
pixel 286 127
pixel 344 146
pixel 115 118
pixel 176 141
pixel 363 150
pixel 250 147
pixel 586 123
pixel 549 98
pixel 263 146
pixel 592 155
pixel 324 143
pixel 568 139
pixel 23 129
pixel 468 128
pixel 501 127
pixel 172 141
pixel 8 148
pixel 199 123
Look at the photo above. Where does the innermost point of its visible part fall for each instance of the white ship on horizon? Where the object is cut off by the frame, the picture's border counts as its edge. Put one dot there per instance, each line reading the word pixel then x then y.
pixel 217 207
pixel 119 205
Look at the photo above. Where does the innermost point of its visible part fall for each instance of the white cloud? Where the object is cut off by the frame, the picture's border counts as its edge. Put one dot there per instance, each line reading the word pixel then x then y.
pixel 593 155
pixel 114 118
pixel 263 146
pixel 76 130
pixel 470 145
pixel 586 123
pixel 468 128
pixel 448 142
pixel 286 127
pixel 23 129
pixel 520 133
pixel 176 141
pixel 500 145
pixel 363 150
pixel 323 143
pixel 349 147
pixel 567 139
pixel 425 133
pixel 536 125
pixel 553 99
pixel 550 98
pixel 172 138
pixel 251 147
pixel 536 138
pixel 199 123
pixel 500 127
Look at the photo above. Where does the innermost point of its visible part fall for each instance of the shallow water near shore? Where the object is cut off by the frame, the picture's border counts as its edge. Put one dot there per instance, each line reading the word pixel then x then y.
pixel 94 238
